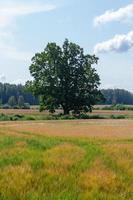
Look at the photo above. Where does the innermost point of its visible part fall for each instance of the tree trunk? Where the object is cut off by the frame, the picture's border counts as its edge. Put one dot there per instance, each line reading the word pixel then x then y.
pixel 66 111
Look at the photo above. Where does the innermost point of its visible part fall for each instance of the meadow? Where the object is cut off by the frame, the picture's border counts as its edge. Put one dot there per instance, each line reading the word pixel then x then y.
pixel 34 114
pixel 66 160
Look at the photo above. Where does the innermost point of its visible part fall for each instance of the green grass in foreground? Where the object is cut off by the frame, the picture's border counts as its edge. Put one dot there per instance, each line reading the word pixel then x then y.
pixel 56 168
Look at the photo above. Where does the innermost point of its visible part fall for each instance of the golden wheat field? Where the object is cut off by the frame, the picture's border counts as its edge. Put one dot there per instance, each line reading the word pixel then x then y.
pixel 66 160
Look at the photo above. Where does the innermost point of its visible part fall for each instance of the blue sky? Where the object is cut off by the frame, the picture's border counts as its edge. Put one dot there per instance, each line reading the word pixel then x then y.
pixel 102 27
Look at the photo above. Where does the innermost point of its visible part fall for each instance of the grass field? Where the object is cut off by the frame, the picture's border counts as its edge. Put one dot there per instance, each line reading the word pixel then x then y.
pixel 66 160
pixel 34 114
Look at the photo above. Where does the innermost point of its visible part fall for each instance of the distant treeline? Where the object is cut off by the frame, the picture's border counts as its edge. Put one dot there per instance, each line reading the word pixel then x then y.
pixel 11 90
pixel 112 96
pixel 117 96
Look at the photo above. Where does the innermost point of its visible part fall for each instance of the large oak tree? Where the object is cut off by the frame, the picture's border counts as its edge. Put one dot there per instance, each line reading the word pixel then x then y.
pixel 64 77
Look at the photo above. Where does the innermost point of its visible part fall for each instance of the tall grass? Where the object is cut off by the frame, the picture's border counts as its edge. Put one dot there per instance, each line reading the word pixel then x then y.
pixel 57 168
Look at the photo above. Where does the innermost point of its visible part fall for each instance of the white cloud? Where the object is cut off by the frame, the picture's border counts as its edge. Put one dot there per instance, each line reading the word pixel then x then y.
pixel 120 43
pixel 122 14
pixel 9 11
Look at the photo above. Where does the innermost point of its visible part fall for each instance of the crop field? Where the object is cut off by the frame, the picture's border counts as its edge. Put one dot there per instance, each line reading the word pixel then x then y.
pixel 66 160
pixel 36 112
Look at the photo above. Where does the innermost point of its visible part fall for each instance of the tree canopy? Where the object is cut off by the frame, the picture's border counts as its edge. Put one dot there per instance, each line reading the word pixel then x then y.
pixel 21 101
pixel 64 76
pixel 12 101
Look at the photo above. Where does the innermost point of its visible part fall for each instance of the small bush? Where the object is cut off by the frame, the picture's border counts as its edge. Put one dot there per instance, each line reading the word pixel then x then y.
pixel 67 117
pixel 6 106
pixel 97 117
pixel 19 116
pixel 15 107
pixel 4 117
pixel 118 116
pixel 26 106
pixel 83 116
pixel 29 118
pixel 16 117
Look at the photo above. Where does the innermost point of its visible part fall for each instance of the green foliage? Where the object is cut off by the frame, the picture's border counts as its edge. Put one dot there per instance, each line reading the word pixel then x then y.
pixel 35 144
pixel 117 96
pixel 6 142
pixel 16 117
pixel 5 106
pixel 0 103
pixel 10 160
pixel 4 117
pixel 65 77
pixel 12 101
pixel 29 118
pixel 7 90
pixel 117 107
pixel 85 116
pixel 37 164
pixel 118 116
pixel 21 101
pixel 26 106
